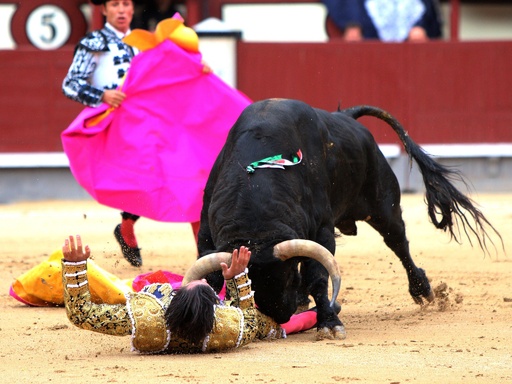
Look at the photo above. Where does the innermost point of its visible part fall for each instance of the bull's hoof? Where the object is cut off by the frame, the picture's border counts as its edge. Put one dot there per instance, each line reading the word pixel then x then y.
pixel 429 299
pixel 338 333
pixel 419 287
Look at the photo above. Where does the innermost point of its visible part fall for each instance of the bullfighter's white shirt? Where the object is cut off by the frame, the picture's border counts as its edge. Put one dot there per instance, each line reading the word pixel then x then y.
pixel 111 65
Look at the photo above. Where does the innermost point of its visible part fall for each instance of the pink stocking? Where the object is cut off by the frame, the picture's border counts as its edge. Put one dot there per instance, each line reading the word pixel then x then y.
pixel 300 322
pixel 128 233
pixel 195 228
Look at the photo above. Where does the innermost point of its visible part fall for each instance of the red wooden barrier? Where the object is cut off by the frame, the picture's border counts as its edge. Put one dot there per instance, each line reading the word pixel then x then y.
pixel 33 109
pixel 442 92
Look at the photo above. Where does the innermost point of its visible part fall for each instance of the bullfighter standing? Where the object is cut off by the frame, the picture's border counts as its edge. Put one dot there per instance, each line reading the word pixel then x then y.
pixel 100 62
pixel 94 78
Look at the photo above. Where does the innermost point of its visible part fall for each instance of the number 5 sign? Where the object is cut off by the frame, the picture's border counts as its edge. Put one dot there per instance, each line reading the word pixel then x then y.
pixel 47 24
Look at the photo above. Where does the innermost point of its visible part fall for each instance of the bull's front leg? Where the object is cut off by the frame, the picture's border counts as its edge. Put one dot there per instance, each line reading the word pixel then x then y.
pixel 329 326
pixel 315 278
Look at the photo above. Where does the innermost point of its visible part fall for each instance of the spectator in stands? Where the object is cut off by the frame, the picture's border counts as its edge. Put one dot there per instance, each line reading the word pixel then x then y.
pixel 385 20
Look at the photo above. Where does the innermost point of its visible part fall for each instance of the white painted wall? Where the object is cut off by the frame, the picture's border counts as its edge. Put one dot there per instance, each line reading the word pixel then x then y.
pixel 6 13
pixel 486 22
pixel 277 22
pixel 305 22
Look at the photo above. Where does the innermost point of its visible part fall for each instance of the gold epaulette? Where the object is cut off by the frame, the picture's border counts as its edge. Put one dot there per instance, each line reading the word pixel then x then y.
pixel 149 332
pixel 227 329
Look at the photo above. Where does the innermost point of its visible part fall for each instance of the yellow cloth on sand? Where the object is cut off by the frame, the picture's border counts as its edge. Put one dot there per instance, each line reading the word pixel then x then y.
pixel 42 285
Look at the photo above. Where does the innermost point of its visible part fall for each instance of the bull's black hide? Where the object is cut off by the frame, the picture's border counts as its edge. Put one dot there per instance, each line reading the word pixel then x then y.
pixel 342 178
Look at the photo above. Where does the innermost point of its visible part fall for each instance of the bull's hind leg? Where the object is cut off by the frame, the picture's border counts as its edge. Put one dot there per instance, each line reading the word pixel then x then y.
pixel 392 228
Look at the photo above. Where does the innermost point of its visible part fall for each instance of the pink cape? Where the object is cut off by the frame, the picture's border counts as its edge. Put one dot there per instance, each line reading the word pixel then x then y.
pixel 152 155
pixel 161 276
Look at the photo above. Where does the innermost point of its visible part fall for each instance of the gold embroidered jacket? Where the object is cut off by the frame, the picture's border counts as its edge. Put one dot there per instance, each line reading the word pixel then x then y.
pixel 236 323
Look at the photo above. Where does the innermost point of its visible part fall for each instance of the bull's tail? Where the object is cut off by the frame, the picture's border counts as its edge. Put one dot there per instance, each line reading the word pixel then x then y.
pixel 443 200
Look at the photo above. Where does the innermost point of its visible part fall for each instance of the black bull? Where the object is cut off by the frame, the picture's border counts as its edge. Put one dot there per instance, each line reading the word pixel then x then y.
pixel 343 178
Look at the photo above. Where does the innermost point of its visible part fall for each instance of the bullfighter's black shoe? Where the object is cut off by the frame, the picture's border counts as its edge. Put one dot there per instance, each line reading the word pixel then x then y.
pixel 132 254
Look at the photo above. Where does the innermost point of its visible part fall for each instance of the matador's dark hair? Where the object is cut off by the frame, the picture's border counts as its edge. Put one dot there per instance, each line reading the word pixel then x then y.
pixel 191 313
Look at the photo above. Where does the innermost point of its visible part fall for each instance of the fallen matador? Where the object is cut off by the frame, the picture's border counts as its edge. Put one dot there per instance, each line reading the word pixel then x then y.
pixel 153 318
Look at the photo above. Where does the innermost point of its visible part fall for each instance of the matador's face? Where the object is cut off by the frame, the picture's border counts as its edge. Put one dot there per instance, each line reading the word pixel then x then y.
pixel 119 13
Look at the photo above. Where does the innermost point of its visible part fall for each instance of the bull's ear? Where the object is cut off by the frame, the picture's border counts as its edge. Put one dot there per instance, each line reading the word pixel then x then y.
pixel 339 106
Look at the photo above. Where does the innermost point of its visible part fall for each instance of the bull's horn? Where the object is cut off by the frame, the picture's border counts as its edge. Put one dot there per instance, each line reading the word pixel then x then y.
pixel 205 265
pixel 300 247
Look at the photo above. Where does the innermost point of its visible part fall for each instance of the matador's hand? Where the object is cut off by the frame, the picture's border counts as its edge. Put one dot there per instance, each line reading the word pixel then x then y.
pixel 75 253
pixel 113 97
pixel 206 67
pixel 239 262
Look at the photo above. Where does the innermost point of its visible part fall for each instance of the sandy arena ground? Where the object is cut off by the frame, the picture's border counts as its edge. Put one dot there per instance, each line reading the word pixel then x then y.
pixel 464 337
